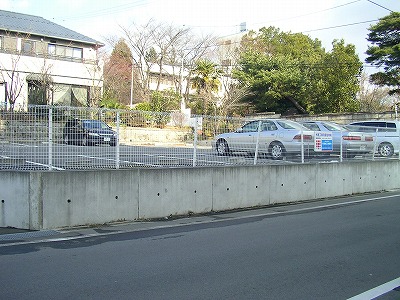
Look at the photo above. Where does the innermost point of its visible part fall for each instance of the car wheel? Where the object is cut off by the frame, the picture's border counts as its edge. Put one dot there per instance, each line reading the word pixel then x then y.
pixel 385 150
pixel 276 150
pixel 66 139
pixel 222 147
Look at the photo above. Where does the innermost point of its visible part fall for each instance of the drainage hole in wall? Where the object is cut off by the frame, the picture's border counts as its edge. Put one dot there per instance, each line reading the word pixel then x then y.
pixel 305 182
pixel 195 191
pixel 282 184
pixel 325 180
pixel 227 189
pixel 69 200
pixel 116 197
pixel 158 194
pixel 256 186
pixel 2 201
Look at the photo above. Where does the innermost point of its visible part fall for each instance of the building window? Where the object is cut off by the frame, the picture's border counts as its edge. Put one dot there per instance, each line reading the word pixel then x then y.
pixel 51 49
pixel 77 53
pixel 60 50
pixel 28 47
pixel 70 95
pixel 1 43
pixel 65 51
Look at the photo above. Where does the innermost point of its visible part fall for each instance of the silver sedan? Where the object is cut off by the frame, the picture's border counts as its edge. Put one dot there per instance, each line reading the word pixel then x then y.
pixel 352 143
pixel 274 137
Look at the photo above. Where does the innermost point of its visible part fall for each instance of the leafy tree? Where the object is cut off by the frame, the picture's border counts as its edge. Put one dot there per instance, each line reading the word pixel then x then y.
pixel 337 81
pixel 110 102
pixel 385 37
pixel 166 100
pixel 117 74
pixel 161 101
pixel 286 71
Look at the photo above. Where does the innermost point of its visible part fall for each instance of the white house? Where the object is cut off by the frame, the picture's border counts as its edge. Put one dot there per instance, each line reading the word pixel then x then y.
pixel 44 63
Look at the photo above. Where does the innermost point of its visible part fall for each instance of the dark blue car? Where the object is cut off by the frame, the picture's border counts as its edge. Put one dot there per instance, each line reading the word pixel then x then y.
pixel 88 132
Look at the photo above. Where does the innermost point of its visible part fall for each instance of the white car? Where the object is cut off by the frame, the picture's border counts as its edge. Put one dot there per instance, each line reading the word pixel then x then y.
pixel 352 143
pixel 275 137
pixel 387 133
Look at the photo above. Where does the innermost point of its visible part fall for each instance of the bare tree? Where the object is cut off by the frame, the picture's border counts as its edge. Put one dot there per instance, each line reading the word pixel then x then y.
pixel 154 46
pixel 14 81
pixel 40 85
pixel 9 71
pixel 373 98
pixel 167 38
pixel 227 55
pixel 95 93
pixel 140 40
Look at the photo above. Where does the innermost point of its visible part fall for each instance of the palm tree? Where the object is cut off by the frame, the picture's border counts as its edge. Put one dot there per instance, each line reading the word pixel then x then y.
pixel 206 80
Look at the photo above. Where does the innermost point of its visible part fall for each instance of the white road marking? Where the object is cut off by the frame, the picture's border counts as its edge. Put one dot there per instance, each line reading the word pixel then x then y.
pixel 378 291
pixel 44 165
pixel 121 161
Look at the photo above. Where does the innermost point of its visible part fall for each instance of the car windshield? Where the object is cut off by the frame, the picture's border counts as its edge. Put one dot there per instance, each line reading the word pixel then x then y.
pixel 94 124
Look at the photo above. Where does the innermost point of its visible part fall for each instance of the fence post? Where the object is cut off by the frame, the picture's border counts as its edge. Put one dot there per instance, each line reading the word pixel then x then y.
pixel 375 140
pixel 50 139
pixel 195 142
pixel 341 146
pixel 257 143
pixel 117 143
pixel 399 138
pixel 302 146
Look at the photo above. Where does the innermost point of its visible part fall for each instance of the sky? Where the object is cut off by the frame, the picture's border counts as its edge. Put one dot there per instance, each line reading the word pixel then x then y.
pixel 323 19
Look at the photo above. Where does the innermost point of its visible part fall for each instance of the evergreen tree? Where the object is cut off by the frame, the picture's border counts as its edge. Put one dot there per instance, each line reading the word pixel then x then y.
pixel 385 52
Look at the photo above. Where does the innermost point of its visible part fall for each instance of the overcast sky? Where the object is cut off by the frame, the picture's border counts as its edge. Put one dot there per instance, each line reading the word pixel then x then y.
pixel 323 19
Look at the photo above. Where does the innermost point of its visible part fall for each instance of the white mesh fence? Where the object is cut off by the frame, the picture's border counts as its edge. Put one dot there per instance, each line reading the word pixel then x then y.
pixel 62 138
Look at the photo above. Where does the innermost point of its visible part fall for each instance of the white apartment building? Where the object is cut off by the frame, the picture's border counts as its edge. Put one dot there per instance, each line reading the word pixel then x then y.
pixel 44 63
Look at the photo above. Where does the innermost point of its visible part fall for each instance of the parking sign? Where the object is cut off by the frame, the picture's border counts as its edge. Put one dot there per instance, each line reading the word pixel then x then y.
pixel 323 141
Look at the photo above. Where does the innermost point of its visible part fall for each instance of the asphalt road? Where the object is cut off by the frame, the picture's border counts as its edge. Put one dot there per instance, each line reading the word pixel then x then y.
pixel 332 249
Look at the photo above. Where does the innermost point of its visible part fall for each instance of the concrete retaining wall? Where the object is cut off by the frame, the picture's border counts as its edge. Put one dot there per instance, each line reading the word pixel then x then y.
pixel 45 200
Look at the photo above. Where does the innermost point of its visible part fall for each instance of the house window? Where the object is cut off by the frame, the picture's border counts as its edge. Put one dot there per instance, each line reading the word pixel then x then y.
pixel 60 50
pixel 1 42
pixel 28 47
pixel 77 53
pixel 51 49
pixel 70 95
pixel 64 51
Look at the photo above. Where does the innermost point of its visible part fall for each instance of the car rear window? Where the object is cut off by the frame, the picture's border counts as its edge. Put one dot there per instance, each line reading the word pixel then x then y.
pixel 311 126
pixel 290 125
pixel 94 124
pixel 332 127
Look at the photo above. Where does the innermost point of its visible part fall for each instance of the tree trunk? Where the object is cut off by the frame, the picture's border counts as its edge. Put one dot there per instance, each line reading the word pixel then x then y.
pixel 296 104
